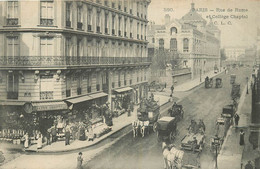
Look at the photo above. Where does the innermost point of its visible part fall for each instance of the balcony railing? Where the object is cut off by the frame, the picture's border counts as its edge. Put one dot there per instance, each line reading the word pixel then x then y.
pixel 80 25
pixel 12 95
pixel 46 22
pixel 50 61
pixel 46 95
pixel 12 21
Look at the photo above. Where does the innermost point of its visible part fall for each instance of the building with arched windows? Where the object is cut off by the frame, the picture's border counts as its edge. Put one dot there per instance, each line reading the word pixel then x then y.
pixel 195 42
pixel 65 55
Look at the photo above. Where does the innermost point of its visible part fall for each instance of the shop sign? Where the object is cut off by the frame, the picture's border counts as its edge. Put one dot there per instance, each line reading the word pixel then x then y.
pixel 50 107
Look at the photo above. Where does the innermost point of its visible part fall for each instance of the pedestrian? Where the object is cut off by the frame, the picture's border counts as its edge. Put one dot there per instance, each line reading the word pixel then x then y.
pixel 26 140
pixel 79 161
pixel 236 117
pixel 242 135
pixel 172 88
pixel 53 134
pixel 249 165
pixel 39 140
pixel 48 136
pixel 67 135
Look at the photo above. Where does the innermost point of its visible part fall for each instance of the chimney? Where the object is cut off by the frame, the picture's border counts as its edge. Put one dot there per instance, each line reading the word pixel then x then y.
pixel 192 7
pixel 167 19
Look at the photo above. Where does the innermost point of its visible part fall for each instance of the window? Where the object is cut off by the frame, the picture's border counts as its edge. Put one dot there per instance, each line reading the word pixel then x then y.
pixel 79 84
pixel 12 13
pixel 119 26
pixel 13 46
pixel 46 46
pixel 137 8
pixel 173 44
pixel 106 23
pixel 79 17
pixel 137 31
pixel 119 79
pixel 131 28
pixel 68 86
pixel 173 30
pixel 113 25
pixel 98 21
pixel 68 14
pixel 12 85
pixel 68 50
pixel 153 40
pixel 161 44
pixel 46 13
pixel 46 87
pixel 185 45
pixel 89 19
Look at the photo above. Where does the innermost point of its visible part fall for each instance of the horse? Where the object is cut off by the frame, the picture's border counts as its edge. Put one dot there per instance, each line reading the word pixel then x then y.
pixel 143 126
pixel 166 153
pixel 135 126
pixel 172 156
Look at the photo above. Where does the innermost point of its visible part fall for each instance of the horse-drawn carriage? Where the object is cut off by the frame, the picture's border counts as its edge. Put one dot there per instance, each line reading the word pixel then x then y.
pixel 156 86
pixel 232 78
pixel 235 93
pixel 208 82
pixel 166 129
pixel 218 82
pixel 176 111
pixel 195 139
pixel 147 115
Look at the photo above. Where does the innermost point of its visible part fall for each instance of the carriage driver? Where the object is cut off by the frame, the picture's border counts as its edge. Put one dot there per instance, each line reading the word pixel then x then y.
pixel 202 126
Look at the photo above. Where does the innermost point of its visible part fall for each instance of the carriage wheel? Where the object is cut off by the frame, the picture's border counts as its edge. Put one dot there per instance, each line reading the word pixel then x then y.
pixel 155 127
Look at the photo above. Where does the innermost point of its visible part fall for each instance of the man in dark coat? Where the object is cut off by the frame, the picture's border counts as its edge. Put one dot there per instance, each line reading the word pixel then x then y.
pixel 249 165
pixel 236 117
pixel 54 134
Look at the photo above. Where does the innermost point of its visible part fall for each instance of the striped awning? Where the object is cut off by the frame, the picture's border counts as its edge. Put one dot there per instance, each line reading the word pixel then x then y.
pixel 11 103
pixel 123 89
pixel 86 98
pixel 49 106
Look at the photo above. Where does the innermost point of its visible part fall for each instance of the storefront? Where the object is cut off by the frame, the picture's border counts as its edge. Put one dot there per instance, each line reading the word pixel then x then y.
pixel 12 121
pixel 121 98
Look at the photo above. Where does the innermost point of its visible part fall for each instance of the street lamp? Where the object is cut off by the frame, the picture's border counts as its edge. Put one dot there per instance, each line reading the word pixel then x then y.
pixel 247 85
pixel 216 145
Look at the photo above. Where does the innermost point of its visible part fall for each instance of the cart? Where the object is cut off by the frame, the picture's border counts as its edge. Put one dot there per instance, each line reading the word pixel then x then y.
pixel 166 129
pixel 232 78
pixel 176 111
pixel 208 82
pixel 218 82
pixel 187 141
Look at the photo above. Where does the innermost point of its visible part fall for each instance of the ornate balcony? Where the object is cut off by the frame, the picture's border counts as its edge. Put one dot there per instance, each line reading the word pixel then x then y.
pixel 62 61
pixel 46 22
pixel 12 21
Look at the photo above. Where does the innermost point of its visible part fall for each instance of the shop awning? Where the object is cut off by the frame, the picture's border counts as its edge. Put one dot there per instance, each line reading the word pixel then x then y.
pixel 79 99
pixel 98 95
pixel 11 103
pixel 123 89
pixel 49 106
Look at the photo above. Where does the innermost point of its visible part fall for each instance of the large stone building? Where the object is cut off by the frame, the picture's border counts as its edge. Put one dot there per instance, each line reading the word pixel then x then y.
pixel 196 43
pixel 60 56
pixel 234 52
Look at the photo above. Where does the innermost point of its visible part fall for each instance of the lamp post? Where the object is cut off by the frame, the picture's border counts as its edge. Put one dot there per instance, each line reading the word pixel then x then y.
pixel 247 85
pixel 216 145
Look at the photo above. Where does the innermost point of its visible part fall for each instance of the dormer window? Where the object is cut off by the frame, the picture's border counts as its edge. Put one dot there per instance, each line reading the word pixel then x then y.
pixel 173 30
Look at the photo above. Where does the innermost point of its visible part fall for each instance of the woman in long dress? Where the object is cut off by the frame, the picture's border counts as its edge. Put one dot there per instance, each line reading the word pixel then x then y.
pixel 242 134
pixel 26 140
pixel 39 141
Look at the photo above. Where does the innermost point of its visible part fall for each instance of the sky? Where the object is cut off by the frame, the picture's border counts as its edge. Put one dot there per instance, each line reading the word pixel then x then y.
pixel 234 31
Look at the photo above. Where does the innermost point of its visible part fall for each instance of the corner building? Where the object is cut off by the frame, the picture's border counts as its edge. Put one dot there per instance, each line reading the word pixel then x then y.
pixel 59 57
pixel 196 42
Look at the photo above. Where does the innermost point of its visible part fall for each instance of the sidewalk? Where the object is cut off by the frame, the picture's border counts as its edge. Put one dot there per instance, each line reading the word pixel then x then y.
pixel 118 124
pixel 195 82
pixel 231 152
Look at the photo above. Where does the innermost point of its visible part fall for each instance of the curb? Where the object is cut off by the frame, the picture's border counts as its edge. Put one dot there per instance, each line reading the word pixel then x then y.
pixel 238 112
pixel 79 148
pixel 200 83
